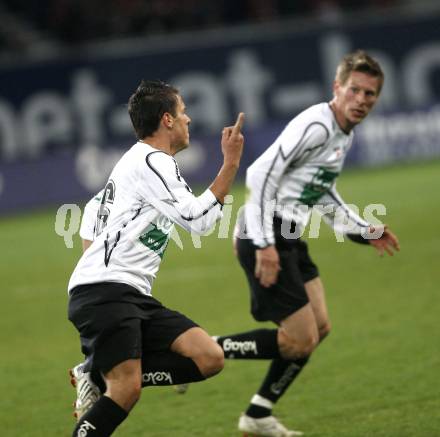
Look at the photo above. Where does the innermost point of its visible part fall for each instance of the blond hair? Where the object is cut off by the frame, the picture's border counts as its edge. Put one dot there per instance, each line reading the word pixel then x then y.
pixel 362 62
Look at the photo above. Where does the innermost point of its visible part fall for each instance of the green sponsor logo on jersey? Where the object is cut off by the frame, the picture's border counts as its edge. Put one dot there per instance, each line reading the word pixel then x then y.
pixel 319 185
pixel 155 239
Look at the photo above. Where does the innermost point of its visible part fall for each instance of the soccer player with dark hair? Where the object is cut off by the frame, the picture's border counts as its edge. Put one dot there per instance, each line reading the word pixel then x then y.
pixel 130 339
pixel 295 173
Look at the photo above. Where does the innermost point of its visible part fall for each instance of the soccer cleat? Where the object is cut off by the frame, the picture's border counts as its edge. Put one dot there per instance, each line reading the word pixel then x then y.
pixel 264 427
pixel 87 392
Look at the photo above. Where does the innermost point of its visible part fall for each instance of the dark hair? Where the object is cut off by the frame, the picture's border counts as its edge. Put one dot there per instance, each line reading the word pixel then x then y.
pixel 362 62
pixel 151 100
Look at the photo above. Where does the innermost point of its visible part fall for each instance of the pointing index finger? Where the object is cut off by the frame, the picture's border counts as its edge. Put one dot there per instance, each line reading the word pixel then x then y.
pixel 239 123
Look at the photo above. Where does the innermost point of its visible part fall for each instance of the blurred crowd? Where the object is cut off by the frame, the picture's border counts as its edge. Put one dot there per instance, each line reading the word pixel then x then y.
pixel 79 21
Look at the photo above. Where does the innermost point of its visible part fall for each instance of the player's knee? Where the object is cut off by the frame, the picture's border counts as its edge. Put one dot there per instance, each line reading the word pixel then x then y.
pixel 306 346
pixel 299 348
pixel 324 330
pixel 126 392
pixel 213 361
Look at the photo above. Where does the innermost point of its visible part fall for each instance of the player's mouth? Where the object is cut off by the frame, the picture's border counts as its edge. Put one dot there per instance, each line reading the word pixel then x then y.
pixel 359 113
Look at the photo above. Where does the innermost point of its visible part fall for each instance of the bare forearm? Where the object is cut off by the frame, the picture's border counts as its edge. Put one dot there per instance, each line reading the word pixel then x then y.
pixel 222 184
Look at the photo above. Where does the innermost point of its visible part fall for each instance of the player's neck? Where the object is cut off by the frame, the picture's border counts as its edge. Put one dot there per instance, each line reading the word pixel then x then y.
pixel 158 143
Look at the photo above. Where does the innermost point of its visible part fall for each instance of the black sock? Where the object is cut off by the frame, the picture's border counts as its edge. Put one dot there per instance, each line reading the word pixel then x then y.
pixel 257 344
pixel 101 420
pixel 169 368
pixel 280 375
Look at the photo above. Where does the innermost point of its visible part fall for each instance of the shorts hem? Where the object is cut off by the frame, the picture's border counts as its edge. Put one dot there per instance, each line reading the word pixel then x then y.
pixel 109 363
pixel 280 315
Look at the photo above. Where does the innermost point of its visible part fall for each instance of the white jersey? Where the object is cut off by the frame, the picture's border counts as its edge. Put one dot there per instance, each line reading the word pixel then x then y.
pixel 144 196
pixel 296 172
pixel 88 221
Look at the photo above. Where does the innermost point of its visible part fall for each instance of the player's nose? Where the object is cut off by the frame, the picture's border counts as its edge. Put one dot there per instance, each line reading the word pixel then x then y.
pixel 361 98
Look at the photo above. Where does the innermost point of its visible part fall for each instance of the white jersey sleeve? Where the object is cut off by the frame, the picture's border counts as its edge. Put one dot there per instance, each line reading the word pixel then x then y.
pixel 168 192
pixel 294 147
pixel 337 214
pixel 88 221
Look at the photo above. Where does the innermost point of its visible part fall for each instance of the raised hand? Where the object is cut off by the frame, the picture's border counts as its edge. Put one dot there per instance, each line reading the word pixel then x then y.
pixel 232 142
pixel 232 148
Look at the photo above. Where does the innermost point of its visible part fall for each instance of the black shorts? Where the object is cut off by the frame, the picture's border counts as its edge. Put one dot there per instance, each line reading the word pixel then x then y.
pixel 288 295
pixel 116 323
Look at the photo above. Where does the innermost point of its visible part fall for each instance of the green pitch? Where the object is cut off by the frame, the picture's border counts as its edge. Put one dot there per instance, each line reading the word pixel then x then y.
pixel 378 374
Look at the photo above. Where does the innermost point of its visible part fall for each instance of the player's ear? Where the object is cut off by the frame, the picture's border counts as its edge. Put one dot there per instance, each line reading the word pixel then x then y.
pixel 336 86
pixel 168 120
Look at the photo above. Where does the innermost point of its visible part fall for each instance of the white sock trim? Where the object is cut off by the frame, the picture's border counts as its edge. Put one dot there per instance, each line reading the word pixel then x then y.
pixel 262 402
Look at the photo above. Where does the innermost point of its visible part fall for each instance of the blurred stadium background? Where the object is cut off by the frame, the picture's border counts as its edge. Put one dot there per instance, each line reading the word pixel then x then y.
pixel 67 68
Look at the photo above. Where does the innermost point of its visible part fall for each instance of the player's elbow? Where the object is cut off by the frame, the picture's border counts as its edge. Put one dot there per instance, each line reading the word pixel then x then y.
pixel 202 227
